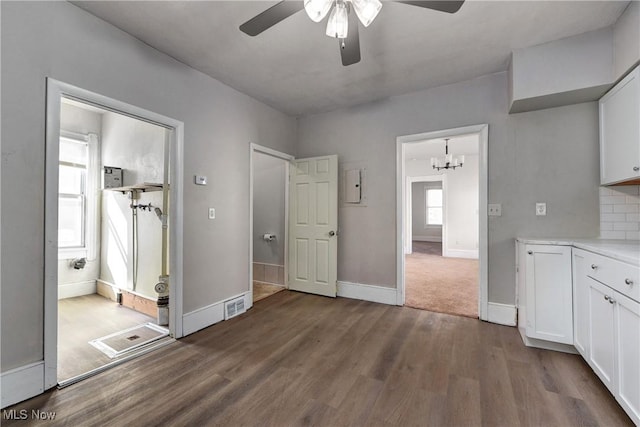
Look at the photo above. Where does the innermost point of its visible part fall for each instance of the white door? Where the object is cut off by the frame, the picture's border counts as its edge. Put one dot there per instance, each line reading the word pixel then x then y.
pixel 628 349
pixel 601 333
pixel 313 225
pixel 549 293
pixel 580 303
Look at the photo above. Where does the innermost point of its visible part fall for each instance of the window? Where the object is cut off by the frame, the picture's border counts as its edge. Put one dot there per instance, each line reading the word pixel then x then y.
pixel 434 206
pixel 78 178
pixel 72 198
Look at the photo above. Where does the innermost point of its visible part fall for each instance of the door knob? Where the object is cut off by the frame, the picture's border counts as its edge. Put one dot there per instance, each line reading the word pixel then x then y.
pixel 332 233
pixel 530 252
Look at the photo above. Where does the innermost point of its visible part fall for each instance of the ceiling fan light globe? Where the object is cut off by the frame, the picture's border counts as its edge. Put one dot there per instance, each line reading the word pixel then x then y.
pixel 338 23
pixel 367 10
pixel 317 9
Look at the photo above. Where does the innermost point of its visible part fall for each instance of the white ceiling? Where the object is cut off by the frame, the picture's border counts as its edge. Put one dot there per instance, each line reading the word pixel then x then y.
pixel 295 68
pixel 425 150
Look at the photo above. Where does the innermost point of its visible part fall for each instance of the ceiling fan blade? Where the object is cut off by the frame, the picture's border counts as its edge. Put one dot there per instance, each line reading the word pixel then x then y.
pixel 350 47
pixel 271 17
pixel 449 6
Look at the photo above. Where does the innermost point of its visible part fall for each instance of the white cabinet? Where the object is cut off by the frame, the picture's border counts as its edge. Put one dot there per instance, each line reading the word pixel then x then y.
pixel 620 131
pixel 547 292
pixel 580 303
pixel 601 355
pixel 607 324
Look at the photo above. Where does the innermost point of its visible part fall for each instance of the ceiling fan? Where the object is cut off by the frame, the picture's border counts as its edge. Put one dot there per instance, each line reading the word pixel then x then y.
pixel 342 23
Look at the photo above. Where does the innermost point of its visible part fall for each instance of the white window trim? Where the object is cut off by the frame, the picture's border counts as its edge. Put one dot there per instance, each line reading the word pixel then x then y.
pixel 92 192
pixel 426 205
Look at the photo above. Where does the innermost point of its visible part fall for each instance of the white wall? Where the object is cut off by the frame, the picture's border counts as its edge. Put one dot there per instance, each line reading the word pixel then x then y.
pixel 462 198
pixel 74 119
pixel 58 40
pixel 136 147
pixel 626 40
pixel 269 174
pixel 549 155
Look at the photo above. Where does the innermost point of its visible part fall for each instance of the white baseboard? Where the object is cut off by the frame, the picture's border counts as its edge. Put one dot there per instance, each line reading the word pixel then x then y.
pixel 77 289
pixel 209 315
pixel 379 294
pixel 502 314
pixel 460 253
pixel 22 383
pixel 427 238
pixel 546 345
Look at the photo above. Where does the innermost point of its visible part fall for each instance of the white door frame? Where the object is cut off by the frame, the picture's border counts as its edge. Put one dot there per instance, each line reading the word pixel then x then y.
pixel 401 194
pixel 409 205
pixel 255 148
pixel 56 90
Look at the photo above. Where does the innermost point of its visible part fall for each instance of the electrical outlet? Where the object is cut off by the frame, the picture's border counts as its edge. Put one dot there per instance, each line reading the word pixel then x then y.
pixel 212 213
pixel 541 209
pixel 495 209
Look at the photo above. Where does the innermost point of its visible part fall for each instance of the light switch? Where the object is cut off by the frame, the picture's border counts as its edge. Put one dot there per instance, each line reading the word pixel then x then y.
pixel 212 213
pixel 200 180
pixel 541 209
pixel 495 209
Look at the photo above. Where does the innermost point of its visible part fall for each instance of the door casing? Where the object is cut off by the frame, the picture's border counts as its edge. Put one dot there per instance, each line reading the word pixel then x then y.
pixel 56 90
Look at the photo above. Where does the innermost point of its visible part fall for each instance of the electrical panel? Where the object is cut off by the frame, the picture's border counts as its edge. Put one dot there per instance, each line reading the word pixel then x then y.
pixel 353 186
pixel 112 177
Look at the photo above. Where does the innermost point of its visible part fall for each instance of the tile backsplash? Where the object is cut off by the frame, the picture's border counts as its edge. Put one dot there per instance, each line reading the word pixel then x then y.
pixel 620 212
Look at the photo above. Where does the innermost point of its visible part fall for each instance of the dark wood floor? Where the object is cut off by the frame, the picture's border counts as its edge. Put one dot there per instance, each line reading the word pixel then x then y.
pixel 85 318
pixel 298 359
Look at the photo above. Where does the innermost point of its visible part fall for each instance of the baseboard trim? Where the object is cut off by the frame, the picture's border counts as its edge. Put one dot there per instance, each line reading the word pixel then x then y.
pixel 70 290
pixel 379 294
pixel 502 314
pixel 22 383
pixel 460 253
pixel 427 239
pixel 209 315
pixel 546 345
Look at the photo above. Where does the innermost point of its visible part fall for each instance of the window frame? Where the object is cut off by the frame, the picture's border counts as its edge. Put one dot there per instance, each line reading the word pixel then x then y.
pixel 88 188
pixel 427 207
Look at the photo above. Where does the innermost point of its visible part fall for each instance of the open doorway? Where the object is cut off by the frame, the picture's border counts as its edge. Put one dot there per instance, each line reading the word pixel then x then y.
pixel 109 215
pixel 442 230
pixel 269 197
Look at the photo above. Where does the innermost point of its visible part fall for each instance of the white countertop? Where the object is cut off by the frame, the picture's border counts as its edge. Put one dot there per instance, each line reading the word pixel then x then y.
pixel 623 250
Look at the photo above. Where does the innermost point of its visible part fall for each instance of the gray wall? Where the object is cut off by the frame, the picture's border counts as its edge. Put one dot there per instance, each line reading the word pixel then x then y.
pixel 58 40
pixel 269 175
pixel 138 148
pixel 626 40
pixel 549 155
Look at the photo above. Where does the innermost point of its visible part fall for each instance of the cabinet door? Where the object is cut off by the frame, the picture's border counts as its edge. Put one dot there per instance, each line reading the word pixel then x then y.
pixel 620 131
pixel 628 351
pixel 601 333
pixel 580 303
pixel 549 293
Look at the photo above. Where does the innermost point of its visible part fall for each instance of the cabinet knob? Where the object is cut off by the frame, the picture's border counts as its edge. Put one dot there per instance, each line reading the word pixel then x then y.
pixel 636 168
pixel 611 301
pixel 628 281
pixel 606 297
pixel 593 266
pixel 530 252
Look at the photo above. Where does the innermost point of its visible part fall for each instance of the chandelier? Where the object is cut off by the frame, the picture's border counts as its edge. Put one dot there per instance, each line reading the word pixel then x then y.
pixel 448 161
pixel 338 23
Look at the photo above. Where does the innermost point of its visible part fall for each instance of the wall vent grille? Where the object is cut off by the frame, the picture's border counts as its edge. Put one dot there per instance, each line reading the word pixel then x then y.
pixel 234 307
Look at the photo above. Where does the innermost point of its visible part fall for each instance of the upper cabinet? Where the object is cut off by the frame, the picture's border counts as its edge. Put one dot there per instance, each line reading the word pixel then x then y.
pixel 620 132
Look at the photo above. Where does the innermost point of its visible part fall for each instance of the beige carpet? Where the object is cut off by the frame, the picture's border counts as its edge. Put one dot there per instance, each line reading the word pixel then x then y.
pixel 444 285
